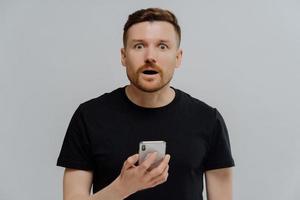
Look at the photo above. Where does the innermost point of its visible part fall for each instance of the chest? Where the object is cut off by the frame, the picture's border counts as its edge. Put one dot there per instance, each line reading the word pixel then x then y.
pixel 114 141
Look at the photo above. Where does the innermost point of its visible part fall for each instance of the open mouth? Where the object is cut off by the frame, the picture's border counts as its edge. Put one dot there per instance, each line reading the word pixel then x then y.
pixel 150 72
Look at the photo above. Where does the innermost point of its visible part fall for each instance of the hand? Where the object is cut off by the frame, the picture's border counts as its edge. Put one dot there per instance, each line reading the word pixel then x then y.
pixel 134 178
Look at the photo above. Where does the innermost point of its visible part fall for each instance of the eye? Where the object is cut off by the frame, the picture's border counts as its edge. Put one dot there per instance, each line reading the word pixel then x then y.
pixel 163 46
pixel 139 46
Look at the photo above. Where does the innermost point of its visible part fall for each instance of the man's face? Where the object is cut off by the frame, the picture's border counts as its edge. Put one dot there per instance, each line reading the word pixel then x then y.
pixel 151 55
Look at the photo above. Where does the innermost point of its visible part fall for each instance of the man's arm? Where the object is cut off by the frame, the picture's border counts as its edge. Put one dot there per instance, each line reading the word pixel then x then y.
pixel 77 183
pixel 77 186
pixel 219 184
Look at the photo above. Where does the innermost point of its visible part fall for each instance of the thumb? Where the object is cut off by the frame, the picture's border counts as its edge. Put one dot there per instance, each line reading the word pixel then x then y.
pixel 131 161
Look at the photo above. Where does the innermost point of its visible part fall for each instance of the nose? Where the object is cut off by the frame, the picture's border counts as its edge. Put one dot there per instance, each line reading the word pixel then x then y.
pixel 150 55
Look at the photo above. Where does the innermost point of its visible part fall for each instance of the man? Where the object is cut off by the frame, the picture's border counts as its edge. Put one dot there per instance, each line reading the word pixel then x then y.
pixel 102 139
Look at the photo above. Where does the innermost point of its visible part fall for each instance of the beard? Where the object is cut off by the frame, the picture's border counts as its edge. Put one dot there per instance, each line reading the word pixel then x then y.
pixel 149 86
pixel 146 88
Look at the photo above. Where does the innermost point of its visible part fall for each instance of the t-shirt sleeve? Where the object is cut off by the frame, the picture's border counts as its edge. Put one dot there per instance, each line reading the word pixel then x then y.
pixel 76 149
pixel 219 153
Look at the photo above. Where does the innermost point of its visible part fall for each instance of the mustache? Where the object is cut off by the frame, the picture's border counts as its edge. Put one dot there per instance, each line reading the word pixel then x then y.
pixel 149 66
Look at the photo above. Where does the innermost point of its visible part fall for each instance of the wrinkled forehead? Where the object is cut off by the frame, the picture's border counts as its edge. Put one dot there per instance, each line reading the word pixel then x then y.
pixel 152 31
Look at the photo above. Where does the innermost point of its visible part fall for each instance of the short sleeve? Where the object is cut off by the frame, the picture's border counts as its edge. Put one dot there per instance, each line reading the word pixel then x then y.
pixel 219 153
pixel 76 149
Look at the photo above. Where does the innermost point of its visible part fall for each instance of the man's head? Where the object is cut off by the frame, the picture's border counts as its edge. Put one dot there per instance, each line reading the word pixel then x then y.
pixel 151 15
pixel 151 48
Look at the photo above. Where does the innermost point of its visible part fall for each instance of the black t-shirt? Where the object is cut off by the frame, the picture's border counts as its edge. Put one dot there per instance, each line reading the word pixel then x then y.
pixel 105 131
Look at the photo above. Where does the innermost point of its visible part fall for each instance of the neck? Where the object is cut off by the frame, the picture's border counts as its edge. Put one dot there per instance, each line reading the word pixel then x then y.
pixel 150 99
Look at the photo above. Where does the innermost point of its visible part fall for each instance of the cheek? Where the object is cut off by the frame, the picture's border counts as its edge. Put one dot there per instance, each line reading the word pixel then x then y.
pixel 169 61
pixel 134 61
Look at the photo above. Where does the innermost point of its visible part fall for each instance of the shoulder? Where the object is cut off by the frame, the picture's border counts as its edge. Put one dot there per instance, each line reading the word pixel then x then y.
pixel 195 105
pixel 102 102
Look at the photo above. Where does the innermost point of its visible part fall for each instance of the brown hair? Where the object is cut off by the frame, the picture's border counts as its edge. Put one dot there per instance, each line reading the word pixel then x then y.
pixel 151 14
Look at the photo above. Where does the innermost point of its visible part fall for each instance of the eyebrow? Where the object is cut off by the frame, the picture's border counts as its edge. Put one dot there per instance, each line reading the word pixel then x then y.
pixel 138 40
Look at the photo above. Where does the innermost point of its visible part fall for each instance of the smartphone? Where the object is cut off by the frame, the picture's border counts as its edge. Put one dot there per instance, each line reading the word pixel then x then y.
pixel 146 147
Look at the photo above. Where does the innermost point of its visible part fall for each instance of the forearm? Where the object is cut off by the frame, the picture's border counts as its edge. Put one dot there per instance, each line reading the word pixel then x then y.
pixel 114 191
pixel 78 183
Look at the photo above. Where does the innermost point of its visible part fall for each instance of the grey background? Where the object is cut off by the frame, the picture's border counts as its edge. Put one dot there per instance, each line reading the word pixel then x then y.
pixel 239 56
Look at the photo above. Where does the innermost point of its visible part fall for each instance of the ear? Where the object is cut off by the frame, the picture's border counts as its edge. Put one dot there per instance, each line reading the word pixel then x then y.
pixel 123 56
pixel 178 58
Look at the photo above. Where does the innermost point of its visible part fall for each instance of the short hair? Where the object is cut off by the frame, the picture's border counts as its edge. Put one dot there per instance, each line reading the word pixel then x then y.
pixel 151 14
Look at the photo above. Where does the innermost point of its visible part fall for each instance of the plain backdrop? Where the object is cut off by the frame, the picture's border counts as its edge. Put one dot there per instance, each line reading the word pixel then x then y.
pixel 239 56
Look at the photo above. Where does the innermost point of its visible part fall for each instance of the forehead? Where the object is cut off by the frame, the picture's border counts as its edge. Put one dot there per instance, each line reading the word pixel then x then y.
pixel 156 30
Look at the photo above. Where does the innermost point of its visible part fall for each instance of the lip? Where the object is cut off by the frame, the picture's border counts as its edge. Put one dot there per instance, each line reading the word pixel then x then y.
pixel 150 76
pixel 151 70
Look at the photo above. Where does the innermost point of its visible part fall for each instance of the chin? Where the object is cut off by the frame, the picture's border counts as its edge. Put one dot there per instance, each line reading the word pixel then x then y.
pixel 150 88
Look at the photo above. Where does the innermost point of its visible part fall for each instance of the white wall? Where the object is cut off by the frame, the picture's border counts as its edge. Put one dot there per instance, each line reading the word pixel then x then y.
pixel 239 56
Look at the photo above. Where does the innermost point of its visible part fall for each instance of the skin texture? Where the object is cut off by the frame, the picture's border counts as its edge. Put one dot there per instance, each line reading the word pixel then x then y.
pixel 219 184
pixel 150 46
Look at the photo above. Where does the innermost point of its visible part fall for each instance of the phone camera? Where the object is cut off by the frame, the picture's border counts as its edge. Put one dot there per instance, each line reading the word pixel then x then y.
pixel 143 147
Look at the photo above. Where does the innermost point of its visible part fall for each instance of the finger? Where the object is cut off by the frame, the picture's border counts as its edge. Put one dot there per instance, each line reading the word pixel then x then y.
pixel 157 176
pixel 161 167
pixel 160 180
pixel 131 161
pixel 145 165
pixel 166 160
